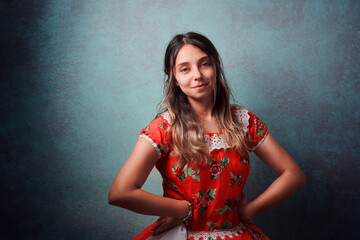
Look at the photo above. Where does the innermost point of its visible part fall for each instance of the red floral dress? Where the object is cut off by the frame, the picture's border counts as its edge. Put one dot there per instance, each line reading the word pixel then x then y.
pixel 213 189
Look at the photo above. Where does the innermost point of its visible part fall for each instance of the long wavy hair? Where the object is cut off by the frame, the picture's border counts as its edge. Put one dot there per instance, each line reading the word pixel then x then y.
pixel 186 133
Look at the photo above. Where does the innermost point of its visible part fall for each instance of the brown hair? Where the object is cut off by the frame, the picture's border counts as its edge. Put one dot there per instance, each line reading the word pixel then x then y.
pixel 186 132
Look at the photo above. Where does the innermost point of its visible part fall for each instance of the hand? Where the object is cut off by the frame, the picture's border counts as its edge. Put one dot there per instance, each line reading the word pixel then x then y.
pixel 164 224
pixel 244 210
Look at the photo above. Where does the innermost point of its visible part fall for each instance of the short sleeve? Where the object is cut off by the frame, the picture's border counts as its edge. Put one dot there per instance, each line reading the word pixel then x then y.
pixel 255 130
pixel 156 134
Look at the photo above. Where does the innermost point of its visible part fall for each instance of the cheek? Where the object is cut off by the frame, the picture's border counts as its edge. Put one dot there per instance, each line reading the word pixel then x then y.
pixel 183 81
pixel 209 73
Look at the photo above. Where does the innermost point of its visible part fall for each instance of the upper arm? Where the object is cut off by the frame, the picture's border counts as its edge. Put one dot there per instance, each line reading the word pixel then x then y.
pixel 266 148
pixel 151 146
pixel 275 156
pixel 136 169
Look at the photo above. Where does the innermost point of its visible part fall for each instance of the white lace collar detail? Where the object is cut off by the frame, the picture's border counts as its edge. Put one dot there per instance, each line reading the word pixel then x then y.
pixel 215 140
pixel 222 234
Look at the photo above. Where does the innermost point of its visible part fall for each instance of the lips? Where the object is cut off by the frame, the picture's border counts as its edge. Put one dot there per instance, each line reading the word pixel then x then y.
pixel 201 85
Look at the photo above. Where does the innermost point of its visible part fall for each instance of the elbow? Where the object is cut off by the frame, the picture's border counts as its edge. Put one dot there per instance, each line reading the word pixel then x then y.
pixel 111 198
pixel 296 177
pixel 116 197
pixel 302 179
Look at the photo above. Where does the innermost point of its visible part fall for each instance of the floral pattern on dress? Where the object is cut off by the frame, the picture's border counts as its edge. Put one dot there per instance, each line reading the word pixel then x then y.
pixel 183 174
pixel 203 199
pixel 230 205
pixel 235 180
pixel 213 188
pixel 216 168
pixel 255 235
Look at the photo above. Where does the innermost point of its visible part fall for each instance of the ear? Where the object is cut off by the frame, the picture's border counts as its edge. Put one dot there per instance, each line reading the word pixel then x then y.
pixel 177 84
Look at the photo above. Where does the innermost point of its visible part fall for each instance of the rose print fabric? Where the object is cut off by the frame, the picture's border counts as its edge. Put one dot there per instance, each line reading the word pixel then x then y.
pixel 215 188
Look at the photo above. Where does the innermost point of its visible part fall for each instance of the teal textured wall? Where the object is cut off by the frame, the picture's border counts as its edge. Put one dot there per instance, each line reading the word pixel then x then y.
pixel 79 79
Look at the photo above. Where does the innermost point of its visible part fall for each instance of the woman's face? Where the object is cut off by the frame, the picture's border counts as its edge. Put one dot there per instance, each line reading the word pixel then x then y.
pixel 194 73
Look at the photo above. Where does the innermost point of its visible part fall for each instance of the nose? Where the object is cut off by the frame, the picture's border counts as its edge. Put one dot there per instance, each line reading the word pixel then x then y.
pixel 197 74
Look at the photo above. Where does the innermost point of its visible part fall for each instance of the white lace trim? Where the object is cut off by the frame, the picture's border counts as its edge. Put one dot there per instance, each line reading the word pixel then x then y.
pixel 242 115
pixel 152 143
pixel 236 231
pixel 215 141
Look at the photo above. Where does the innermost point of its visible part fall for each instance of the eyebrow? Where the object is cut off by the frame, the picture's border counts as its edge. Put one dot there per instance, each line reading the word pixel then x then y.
pixel 201 59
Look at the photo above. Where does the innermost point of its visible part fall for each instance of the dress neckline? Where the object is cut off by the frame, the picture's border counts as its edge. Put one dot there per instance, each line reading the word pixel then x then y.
pixel 213 133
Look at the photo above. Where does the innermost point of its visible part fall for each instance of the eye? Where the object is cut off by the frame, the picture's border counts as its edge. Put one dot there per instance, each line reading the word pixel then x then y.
pixel 185 69
pixel 205 64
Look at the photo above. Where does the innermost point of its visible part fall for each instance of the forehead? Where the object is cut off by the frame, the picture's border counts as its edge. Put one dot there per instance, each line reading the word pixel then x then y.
pixel 189 53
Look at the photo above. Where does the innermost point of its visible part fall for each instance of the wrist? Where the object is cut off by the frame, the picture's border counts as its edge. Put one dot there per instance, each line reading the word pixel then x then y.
pixel 247 212
pixel 188 215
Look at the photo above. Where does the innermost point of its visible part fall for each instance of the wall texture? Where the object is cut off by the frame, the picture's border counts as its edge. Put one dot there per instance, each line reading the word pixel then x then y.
pixel 79 79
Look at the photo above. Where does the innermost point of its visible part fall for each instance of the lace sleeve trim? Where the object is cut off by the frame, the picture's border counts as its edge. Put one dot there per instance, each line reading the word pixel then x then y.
pixel 222 234
pixel 152 143
pixel 242 115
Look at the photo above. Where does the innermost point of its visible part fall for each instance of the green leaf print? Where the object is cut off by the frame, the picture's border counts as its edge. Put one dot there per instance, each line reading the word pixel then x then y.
pixel 226 224
pixel 161 126
pixel 182 175
pixel 234 180
pixel 230 205
pixel 224 161
pixel 211 193
pixel 196 177
pixel 259 132
pixel 222 210
pixel 210 161
pixel 244 159
pixel 193 173
pixel 168 181
pixel 201 211
pixel 211 226
pixel 147 130
pixel 190 171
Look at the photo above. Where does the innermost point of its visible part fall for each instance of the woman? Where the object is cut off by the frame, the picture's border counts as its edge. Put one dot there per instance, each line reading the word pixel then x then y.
pixel 200 144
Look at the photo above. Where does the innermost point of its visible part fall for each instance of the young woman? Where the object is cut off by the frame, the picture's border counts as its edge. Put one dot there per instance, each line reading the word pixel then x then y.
pixel 200 144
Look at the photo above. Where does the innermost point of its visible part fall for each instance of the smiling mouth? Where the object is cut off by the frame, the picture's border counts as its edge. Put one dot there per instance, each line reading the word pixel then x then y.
pixel 201 85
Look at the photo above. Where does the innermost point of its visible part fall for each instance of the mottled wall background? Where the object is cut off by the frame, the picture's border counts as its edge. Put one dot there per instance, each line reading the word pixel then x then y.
pixel 79 79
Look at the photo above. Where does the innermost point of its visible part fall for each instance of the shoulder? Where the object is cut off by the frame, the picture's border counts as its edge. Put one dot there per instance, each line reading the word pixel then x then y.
pixel 244 117
pixel 165 116
pixel 155 132
pixel 161 121
pixel 253 127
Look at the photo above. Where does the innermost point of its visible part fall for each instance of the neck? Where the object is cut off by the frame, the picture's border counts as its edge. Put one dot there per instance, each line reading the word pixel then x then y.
pixel 202 108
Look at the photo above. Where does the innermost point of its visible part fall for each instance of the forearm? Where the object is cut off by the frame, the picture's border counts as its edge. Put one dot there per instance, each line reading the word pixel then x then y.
pixel 143 202
pixel 279 191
